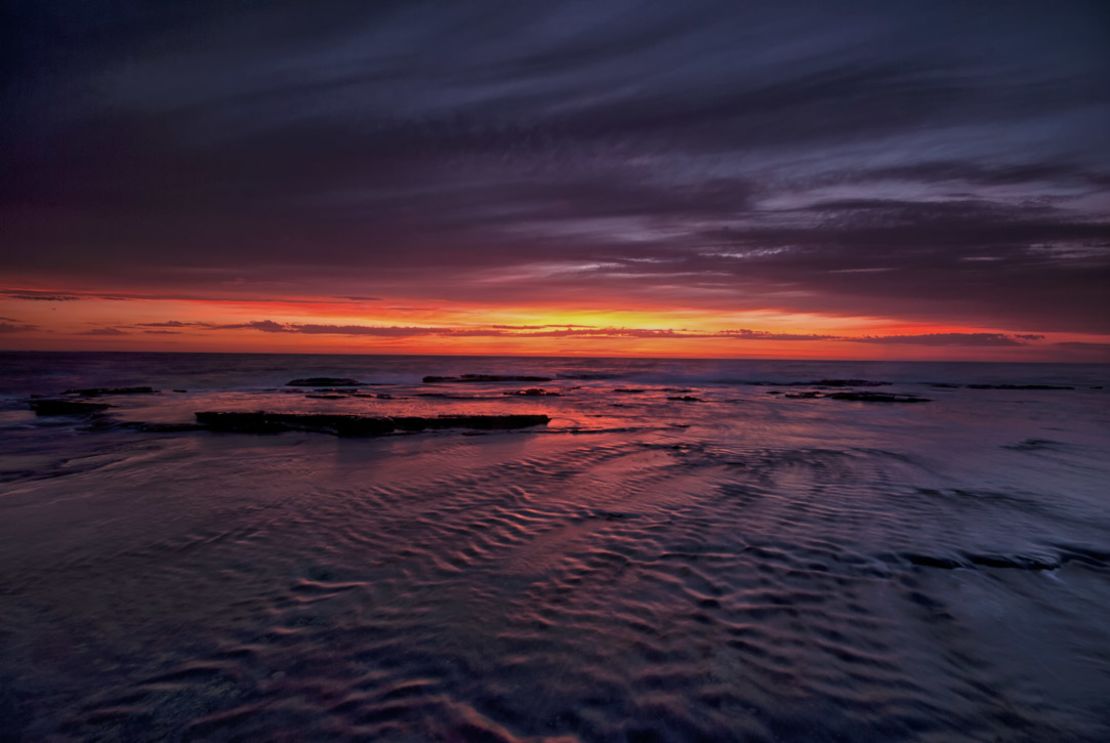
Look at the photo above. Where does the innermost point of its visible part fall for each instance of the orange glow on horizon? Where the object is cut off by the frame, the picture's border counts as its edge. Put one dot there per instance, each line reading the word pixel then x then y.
pixel 418 326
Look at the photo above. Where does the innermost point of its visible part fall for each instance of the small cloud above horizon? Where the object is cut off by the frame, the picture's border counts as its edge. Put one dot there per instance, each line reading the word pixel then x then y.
pixel 14 326
pixel 103 331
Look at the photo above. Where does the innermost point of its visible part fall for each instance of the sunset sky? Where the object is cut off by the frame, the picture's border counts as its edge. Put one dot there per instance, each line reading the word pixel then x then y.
pixel 918 180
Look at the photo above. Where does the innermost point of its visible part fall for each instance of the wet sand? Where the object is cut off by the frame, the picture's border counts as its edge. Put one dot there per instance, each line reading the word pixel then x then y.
pixel 741 566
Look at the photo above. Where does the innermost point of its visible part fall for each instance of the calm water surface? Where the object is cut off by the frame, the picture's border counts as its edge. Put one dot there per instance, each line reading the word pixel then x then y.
pixel 742 566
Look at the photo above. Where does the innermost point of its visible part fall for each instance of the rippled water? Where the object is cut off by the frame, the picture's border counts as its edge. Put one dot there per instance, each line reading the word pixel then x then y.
pixel 745 566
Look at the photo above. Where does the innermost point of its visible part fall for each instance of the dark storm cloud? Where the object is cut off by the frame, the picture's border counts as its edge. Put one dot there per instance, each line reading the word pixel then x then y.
pixel 940 161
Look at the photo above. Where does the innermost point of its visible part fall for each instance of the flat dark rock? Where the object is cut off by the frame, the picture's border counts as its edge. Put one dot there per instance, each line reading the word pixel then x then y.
pixel 854 396
pixel 587 376
pixel 486 378
pixel 67 407
pixel 358 425
pixel 875 397
pixel 1018 387
pixel 532 392
pixel 846 383
pixel 685 398
pixel 822 383
pixel 323 382
pixel 98 391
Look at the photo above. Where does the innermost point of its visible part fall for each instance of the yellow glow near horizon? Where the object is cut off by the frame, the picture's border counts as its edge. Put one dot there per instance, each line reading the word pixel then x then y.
pixel 199 324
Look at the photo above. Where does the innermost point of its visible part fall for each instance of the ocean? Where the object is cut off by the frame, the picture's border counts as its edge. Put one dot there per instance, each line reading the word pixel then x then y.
pixel 683 551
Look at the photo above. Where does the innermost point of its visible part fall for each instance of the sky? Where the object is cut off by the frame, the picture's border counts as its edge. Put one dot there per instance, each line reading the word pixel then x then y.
pixel 886 180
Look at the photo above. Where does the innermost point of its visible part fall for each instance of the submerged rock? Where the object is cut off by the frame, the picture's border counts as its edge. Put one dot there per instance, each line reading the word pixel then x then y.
pixel 98 391
pixel 486 378
pixel 685 398
pixel 323 382
pixel 532 392
pixel 358 425
pixel 67 407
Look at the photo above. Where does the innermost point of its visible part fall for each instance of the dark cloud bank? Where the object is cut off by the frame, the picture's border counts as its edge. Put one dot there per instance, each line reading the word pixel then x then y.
pixel 941 161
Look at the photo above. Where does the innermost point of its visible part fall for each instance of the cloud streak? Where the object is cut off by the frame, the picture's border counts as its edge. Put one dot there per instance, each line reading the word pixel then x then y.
pixel 953 339
pixel 103 332
pixel 42 297
pixel 15 327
